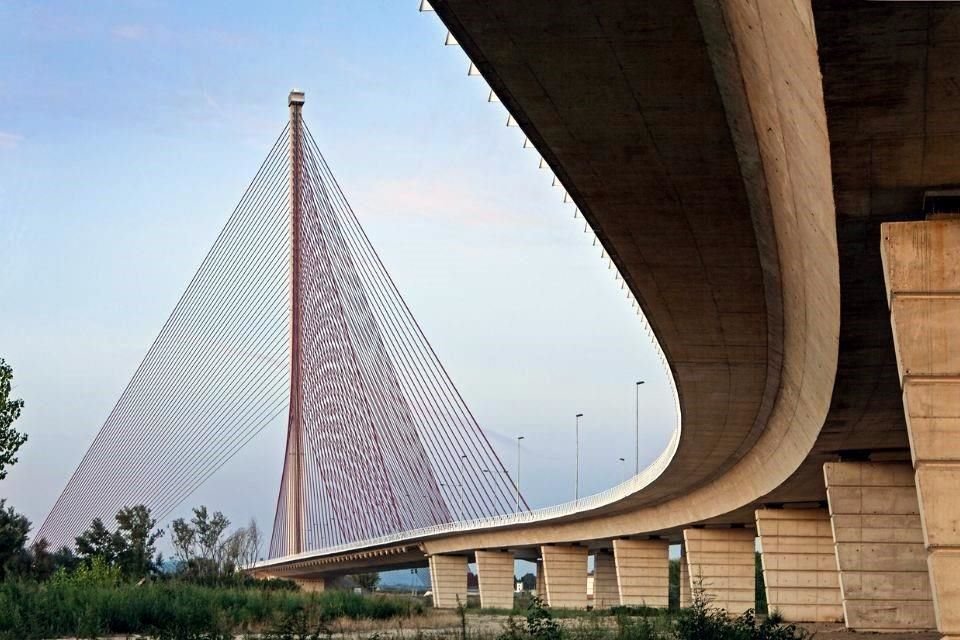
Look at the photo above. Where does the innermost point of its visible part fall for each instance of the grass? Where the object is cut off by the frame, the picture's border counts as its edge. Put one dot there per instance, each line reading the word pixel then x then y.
pixel 175 610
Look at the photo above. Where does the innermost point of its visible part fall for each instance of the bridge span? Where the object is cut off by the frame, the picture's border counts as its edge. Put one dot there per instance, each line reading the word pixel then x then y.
pixel 771 179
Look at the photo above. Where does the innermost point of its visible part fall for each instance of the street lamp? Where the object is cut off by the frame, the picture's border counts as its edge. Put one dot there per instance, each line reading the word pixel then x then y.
pixel 637 426
pixel 576 490
pixel 463 463
pixel 623 472
pixel 519 438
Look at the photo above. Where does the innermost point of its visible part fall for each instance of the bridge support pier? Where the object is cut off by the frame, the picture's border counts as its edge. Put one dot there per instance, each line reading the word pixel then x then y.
pixel 311 585
pixel 643 572
pixel 496 579
pixel 879 546
pixel 921 262
pixel 541 582
pixel 448 581
pixel 565 575
pixel 606 594
pixel 685 599
pixel 722 562
pixel 799 564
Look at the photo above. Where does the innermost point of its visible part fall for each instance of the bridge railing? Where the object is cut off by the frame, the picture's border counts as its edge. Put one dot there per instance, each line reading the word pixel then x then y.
pixel 588 503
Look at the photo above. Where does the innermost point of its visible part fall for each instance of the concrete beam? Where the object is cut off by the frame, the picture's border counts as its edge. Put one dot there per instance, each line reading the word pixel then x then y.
pixel 921 263
pixel 643 571
pixel 879 545
pixel 606 593
pixel 448 581
pixel 722 563
pixel 799 564
pixel 496 578
pixel 565 575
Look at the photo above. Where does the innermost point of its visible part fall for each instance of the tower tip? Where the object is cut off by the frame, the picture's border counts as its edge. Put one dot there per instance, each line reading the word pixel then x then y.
pixel 295 97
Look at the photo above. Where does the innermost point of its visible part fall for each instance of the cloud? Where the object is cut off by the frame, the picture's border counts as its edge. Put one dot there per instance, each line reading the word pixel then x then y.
pixel 449 198
pixel 9 140
pixel 129 31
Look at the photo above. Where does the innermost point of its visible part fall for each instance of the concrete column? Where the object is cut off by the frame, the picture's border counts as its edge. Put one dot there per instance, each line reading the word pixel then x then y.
pixel 311 585
pixel 541 583
pixel 799 564
pixel 879 545
pixel 496 579
pixel 685 599
pixel 723 563
pixel 921 263
pixel 643 572
pixel 606 594
pixel 565 576
pixel 448 581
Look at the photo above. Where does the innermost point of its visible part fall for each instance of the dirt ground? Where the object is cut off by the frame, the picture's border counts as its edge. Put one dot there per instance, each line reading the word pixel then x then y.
pixel 436 623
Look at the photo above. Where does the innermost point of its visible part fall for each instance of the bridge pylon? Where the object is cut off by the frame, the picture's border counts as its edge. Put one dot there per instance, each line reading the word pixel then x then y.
pixel 293 464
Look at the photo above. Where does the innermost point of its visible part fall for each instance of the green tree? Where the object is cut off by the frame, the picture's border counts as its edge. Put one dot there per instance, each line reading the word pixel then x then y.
pixel 199 546
pixel 529 581
pixel 10 439
pixel 14 528
pixel 366 581
pixel 99 542
pixel 136 527
pixel 209 537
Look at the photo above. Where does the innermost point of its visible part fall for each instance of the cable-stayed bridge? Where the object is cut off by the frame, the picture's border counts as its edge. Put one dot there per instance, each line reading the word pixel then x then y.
pixel 292 311
pixel 777 185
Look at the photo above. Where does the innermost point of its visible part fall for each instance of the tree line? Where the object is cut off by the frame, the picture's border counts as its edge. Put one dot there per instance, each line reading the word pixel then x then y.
pixel 203 548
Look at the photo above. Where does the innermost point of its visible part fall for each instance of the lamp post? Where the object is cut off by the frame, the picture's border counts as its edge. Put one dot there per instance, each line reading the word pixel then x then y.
pixel 637 425
pixel 519 438
pixel 463 463
pixel 623 472
pixel 576 489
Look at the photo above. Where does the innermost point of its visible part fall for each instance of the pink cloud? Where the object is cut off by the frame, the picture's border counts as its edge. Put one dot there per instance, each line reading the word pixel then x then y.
pixel 449 197
pixel 9 140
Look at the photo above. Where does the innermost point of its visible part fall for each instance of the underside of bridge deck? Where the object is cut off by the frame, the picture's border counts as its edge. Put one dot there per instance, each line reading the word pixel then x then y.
pixel 736 160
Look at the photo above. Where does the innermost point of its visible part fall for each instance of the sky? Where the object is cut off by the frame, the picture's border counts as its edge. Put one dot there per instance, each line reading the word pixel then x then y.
pixel 128 131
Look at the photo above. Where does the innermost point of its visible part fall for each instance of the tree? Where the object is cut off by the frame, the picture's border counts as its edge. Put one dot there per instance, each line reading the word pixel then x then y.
pixel 10 439
pixel 529 582
pixel 14 528
pixel 183 540
pixel 199 546
pixel 242 547
pixel 366 581
pixel 135 527
pixel 209 531
pixel 98 542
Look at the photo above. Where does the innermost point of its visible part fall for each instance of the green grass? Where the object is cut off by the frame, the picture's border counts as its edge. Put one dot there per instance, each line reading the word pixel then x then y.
pixel 174 609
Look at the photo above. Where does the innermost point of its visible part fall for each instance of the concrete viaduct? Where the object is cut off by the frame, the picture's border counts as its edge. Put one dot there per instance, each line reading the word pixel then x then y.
pixel 773 179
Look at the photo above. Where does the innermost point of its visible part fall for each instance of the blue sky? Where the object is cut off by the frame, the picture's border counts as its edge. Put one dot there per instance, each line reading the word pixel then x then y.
pixel 128 131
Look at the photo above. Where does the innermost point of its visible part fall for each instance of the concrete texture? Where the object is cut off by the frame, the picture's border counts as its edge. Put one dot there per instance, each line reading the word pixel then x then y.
pixel 685 598
pixel 922 271
pixel 879 545
pixel 643 571
pixel 496 579
pixel 448 581
pixel 541 582
pixel 722 563
pixel 565 575
pixel 606 594
pixel 799 564
pixel 747 112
